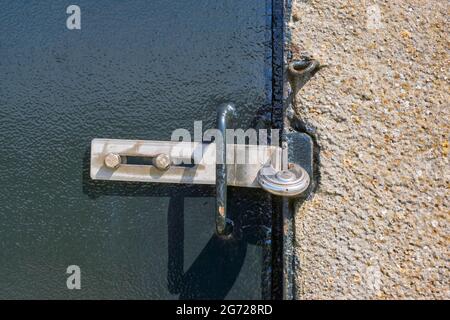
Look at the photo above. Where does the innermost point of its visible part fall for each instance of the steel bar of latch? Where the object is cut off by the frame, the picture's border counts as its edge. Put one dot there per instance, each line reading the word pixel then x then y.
pixel 109 161
pixel 224 226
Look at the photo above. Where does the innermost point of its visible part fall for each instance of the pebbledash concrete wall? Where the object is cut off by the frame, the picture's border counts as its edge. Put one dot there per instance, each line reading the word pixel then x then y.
pixel 378 225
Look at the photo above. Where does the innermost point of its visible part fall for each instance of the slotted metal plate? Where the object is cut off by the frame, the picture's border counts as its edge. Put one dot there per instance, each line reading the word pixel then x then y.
pixel 243 161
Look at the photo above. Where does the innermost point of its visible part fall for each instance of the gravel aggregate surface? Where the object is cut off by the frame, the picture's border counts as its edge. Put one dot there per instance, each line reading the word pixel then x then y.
pixel 378 225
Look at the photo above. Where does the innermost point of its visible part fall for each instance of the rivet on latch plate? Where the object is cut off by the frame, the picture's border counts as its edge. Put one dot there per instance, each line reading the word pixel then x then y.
pixel 162 161
pixel 112 160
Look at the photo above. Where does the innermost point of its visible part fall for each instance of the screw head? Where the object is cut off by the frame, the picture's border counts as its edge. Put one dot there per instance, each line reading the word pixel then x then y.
pixel 112 160
pixel 162 161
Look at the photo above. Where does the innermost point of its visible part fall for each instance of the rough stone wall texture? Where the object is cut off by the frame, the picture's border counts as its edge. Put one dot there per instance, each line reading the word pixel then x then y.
pixel 378 225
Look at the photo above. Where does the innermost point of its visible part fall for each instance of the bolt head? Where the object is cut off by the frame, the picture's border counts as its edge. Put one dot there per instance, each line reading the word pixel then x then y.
pixel 162 161
pixel 112 160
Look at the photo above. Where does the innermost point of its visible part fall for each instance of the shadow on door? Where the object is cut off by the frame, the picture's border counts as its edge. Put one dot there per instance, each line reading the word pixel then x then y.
pixel 216 268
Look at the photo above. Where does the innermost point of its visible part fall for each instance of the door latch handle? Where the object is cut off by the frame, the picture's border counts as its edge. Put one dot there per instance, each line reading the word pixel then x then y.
pixel 224 225
pixel 115 160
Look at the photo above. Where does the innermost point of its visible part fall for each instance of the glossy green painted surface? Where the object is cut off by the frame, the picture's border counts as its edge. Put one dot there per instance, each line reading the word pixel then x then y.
pixel 135 70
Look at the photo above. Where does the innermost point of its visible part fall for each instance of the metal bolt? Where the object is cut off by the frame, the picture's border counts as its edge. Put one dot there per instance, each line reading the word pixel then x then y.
pixel 112 160
pixel 162 161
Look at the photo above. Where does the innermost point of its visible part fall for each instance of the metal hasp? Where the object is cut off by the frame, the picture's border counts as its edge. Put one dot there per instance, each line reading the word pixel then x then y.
pixel 225 113
pixel 164 162
pixel 111 160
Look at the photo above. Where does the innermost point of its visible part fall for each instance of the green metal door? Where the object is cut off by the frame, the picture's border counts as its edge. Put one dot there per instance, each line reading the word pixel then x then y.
pixel 135 70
